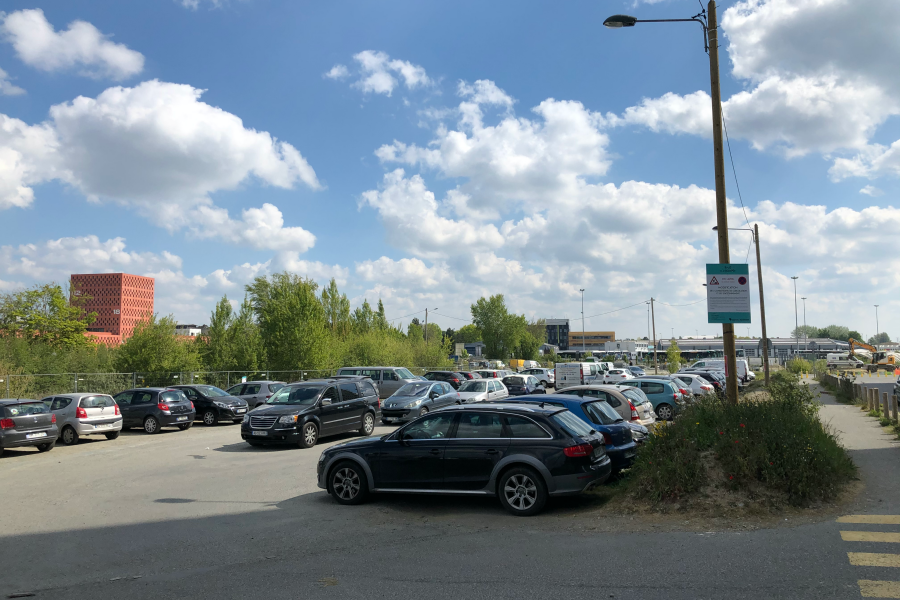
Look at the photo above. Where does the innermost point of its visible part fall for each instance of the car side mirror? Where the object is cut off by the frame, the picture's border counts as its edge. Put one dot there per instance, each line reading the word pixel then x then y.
pixel 433 395
pixel 326 402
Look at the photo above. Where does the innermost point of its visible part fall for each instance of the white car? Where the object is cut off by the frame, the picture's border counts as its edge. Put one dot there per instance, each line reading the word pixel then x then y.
pixel 482 390
pixel 697 385
pixel 617 375
pixel 545 376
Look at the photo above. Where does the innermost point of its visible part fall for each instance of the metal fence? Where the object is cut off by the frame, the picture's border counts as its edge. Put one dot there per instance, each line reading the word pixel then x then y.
pixel 41 385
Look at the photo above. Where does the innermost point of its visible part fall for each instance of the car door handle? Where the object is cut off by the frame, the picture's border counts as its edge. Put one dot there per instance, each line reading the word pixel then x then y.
pixel 435 451
pixel 492 451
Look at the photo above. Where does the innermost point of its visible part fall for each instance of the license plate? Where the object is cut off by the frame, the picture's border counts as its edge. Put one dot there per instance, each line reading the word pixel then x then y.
pixel 389 419
pixel 106 426
pixel 240 410
pixel 181 419
pixel 31 436
pixel 261 433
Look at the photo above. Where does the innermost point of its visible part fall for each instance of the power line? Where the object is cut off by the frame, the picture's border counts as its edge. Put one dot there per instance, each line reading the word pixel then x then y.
pixel 449 317
pixel 617 310
pixel 733 170
pixel 404 316
pixel 688 304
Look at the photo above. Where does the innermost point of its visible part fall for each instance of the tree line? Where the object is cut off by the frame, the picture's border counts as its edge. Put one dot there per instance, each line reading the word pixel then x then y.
pixel 837 332
pixel 284 322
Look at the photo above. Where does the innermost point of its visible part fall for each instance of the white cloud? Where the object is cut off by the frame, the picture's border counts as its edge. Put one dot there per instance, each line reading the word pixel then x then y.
pixel 816 85
pixel 7 88
pixel 337 72
pixel 872 161
pixel 80 46
pixel 484 92
pixel 380 74
pixel 871 191
pixel 158 148
pixel 195 4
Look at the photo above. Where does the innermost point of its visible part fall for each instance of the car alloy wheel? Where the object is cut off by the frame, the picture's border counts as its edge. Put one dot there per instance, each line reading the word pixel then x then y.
pixel 346 484
pixel 151 425
pixel 664 412
pixel 520 492
pixel 210 418
pixel 69 436
pixel 310 435
pixel 368 424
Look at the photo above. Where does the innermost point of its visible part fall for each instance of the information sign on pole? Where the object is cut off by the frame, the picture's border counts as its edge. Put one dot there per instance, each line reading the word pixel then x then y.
pixel 728 293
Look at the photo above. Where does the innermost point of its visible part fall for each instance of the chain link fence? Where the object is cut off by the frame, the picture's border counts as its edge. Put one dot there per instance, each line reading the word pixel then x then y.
pixel 41 385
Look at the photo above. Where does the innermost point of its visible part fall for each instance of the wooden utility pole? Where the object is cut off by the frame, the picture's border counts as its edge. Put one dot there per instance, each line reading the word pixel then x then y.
pixel 653 315
pixel 721 203
pixel 762 306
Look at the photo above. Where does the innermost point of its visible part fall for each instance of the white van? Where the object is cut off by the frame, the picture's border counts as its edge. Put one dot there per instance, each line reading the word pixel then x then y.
pixel 842 359
pixel 578 373
pixel 719 365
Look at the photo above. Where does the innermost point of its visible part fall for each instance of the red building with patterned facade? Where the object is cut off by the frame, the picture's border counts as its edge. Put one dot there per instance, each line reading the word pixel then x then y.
pixel 120 301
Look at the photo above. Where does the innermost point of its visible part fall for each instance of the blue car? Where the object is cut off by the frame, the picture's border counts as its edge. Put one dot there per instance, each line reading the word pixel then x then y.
pixel 620 445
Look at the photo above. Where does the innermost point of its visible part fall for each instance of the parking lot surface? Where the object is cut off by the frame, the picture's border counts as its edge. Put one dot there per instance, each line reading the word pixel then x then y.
pixel 202 514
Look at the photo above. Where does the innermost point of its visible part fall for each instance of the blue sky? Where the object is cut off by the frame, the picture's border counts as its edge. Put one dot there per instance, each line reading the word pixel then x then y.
pixel 455 151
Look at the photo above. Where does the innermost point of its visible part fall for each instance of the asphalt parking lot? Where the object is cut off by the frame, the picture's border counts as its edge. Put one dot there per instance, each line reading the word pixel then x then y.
pixel 201 514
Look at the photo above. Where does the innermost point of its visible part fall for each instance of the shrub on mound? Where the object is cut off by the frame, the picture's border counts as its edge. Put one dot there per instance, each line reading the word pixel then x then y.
pixel 774 440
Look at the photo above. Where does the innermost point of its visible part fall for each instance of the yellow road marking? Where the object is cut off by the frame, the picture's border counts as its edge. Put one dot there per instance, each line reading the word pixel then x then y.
pixel 870 536
pixel 879 589
pixel 879 519
pixel 872 559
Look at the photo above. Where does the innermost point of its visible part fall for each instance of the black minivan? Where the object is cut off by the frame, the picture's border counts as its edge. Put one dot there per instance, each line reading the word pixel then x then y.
pixel 154 408
pixel 301 413
pixel 214 405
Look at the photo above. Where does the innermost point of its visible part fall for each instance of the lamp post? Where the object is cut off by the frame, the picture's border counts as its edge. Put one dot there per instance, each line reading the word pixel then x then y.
pixel 796 321
pixel 805 332
pixel 582 322
pixel 426 325
pixel 762 299
pixel 708 21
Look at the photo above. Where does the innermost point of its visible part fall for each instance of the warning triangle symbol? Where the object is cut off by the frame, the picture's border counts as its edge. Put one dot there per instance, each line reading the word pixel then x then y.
pixel 713 281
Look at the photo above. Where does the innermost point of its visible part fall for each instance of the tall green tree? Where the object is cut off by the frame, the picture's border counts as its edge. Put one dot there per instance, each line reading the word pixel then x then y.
pixel 216 348
pixel 247 349
pixel 155 348
pixel 502 332
pixel 810 331
pixel 881 338
pixel 673 357
pixel 292 321
pixel 337 309
pixel 468 334
pixel 45 314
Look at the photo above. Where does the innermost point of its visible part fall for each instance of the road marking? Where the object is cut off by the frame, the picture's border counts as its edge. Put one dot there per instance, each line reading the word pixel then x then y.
pixel 870 536
pixel 872 559
pixel 879 589
pixel 878 519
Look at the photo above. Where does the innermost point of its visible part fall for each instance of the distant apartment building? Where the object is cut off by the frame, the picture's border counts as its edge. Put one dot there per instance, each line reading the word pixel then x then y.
pixel 558 333
pixel 592 340
pixel 120 301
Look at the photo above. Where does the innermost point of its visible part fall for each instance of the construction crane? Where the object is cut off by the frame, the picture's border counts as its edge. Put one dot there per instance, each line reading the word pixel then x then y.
pixel 880 360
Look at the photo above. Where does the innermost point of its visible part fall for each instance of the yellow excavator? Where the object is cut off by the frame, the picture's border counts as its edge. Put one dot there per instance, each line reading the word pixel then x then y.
pixel 880 360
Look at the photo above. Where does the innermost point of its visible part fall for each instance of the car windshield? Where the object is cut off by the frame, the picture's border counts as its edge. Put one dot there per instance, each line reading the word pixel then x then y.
pixel 97 402
pixel 24 410
pixel 572 424
pixel 601 412
pixel 405 374
pixel 635 395
pixel 304 394
pixel 680 383
pixel 173 396
pixel 413 389
pixel 514 381
pixel 473 386
pixel 211 391
pixel 274 387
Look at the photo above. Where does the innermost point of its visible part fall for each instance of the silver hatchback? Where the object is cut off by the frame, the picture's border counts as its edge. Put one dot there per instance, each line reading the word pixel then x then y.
pixel 255 393
pixel 83 414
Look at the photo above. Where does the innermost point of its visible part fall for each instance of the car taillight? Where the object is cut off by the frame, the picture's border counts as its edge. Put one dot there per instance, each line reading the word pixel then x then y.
pixel 455 380
pixel 162 406
pixel 634 412
pixel 268 396
pixel 579 450
pixel 674 396
pixel 683 391
pixel 53 418
pixel 7 424
pixel 606 439
pixel 80 413
pixel 117 408
pixel 192 406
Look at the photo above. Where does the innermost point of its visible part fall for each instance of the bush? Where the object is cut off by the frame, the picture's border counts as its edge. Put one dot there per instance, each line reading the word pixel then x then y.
pixel 799 365
pixel 776 441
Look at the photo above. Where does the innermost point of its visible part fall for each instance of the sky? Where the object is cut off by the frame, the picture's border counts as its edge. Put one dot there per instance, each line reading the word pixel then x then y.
pixel 430 153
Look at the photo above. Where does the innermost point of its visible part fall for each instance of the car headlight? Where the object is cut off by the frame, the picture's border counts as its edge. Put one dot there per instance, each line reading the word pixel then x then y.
pixel 221 405
pixel 418 402
pixel 246 418
pixel 288 419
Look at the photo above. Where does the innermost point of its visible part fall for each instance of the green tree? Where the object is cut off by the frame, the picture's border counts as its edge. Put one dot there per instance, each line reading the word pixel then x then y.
pixel 44 314
pixel 247 349
pixel 363 318
pixel 155 348
pixel 291 321
pixel 881 338
pixel 491 317
pixel 810 331
pixel 337 309
pixel 216 347
pixel 468 334
pixel 673 357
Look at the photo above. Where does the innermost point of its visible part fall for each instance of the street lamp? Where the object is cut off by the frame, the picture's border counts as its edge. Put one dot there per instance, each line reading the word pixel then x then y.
pixel 426 325
pixel 796 321
pixel 877 328
pixel 805 332
pixel 708 22
pixel 762 300
pixel 582 322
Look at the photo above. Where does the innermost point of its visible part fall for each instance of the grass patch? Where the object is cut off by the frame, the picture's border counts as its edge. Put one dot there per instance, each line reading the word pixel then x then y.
pixel 774 444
